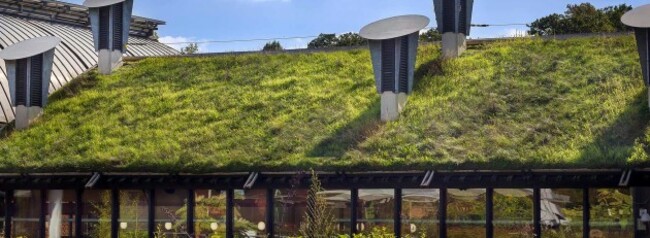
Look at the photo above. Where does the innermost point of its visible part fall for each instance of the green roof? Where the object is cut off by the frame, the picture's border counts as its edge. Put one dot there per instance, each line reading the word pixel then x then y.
pixel 518 104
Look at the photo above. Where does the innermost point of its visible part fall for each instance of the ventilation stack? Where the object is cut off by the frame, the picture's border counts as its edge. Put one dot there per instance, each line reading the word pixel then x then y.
pixel 29 68
pixel 639 19
pixel 110 21
pixel 454 19
pixel 393 47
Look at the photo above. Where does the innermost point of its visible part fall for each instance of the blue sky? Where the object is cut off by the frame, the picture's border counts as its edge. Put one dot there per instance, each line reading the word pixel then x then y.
pixel 201 20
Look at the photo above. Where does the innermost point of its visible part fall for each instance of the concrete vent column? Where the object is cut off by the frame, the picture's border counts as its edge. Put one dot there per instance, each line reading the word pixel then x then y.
pixel 393 47
pixel 29 69
pixel 110 22
pixel 109 61
pixel 639 20
pixel 453 45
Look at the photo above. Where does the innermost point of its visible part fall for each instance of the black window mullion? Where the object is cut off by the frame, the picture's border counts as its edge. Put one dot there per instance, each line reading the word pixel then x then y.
pixel 9 205
pixel 270 222
pixel 537 212
pixel 354 203
pixel 230 213
pixel 41 217
pixel 78 213
pixel 397 216
pixel 151 211
pixel 489 213
pixel 442 212
pixel 190 212
pixel 585 213
pixel 115 213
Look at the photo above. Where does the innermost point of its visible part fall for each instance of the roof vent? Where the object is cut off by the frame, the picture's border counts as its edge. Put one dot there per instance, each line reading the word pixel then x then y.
pixel 454 19
pixel 639 19
pixel 29 68
pixel 393 46
pixel 110 21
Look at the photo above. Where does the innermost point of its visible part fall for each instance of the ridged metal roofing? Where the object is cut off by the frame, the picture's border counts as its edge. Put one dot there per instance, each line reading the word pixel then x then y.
pixel 74 56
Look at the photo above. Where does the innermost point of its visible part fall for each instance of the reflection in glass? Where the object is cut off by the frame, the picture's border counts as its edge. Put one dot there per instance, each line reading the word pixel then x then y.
pixel 466 213
pixel 133 213
pixel 171 212
pixel 420 212
pixel 561 212
pixel 68 204
pixel 27 211
pixel 96 217
pixel 250 213
pixel 210 213
pixel 513 213
pixel 611 213
pixel 376 210
pixel 290 209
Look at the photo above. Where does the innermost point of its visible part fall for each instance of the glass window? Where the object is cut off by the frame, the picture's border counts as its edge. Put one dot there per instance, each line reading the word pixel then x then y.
pixel 290 210
pixel 210 213
pixel 250 213
pixel 611 213
pixel 465 213
pixel 171 212
pixel 133 213
pixel 68 203
pixel 513 213
pixel 561 212
pixel 420 213
pixel 376 211
pixel 96 217
pixel 26 214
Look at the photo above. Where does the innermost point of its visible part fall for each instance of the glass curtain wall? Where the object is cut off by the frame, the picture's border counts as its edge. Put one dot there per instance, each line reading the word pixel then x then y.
pixel 210 213
pixel 513 213
pixel 133 213
pixel 611 213
pixel 68 204
pixel 376 211
pixel 250 213
pixel 561 212
pixel 465 213
pixel 420 213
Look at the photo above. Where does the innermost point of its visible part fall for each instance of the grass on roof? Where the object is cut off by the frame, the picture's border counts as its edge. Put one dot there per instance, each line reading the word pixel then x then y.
pixel 521 104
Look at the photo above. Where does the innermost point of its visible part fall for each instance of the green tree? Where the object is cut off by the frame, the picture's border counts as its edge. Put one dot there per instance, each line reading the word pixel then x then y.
pixel 272 46
pixel 323 41
pixel 430 35
pixel 581 18
pixel 350 39
pixel 190 49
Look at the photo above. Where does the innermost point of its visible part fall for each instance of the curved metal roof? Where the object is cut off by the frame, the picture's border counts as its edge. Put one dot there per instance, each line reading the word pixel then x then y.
pixel 74 55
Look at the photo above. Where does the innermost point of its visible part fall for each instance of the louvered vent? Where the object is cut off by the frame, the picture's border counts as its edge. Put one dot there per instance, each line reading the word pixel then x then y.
pixel 118 23
pixel 21 82
pixel 403 65
pixel 462 18
pixel 388 65
pixel 104 27
pixel 643 42
pixel 448 16
pixel 36 81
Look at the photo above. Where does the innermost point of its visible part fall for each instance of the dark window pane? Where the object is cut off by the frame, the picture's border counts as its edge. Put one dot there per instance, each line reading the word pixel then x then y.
pixel 133 213
pixel 26 214
pixel 376 211
pixel 250 213
pixel 210 213
pixel 171 212
pixel 466 213
pixel 513 213
pixel 611 213
pixel 96 217
pixel 561 213
pixel 420 212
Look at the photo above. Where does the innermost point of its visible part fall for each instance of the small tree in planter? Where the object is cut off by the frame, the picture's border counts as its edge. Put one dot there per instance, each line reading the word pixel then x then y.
pixel 319 221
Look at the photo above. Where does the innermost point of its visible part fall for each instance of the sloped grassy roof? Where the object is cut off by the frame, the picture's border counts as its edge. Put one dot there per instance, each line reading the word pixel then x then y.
pixel 522 104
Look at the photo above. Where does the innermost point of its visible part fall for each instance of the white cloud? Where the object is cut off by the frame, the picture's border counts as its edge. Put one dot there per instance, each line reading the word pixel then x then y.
pixel 516 33
pixel 178 42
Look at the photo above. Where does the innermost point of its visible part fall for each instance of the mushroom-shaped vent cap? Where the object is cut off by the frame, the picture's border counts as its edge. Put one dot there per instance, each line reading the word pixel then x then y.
pixel 638 17
pixel 101 3
pixel 394 27
pixel 29 48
